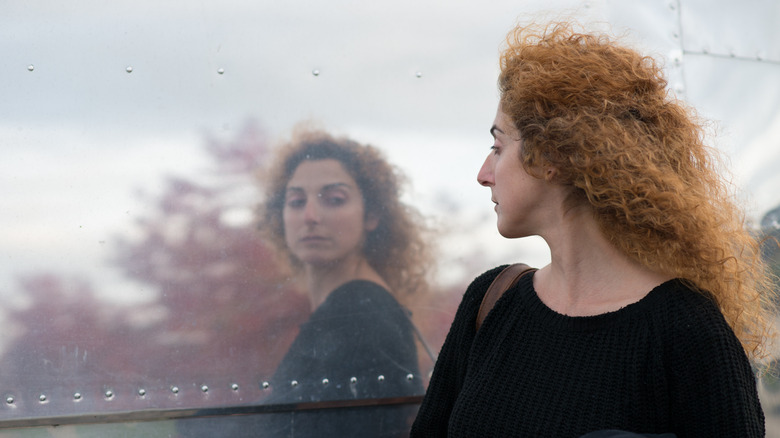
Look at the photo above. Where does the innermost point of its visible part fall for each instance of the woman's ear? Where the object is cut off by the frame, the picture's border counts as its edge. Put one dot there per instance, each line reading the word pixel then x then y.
pixel 372 221
pixel 550 173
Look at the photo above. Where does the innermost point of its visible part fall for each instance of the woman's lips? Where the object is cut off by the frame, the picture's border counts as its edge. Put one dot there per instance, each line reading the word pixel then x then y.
pixel 313 239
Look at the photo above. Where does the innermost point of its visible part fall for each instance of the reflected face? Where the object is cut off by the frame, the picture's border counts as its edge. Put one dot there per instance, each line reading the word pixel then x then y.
pixel 324 214
pixel 517 194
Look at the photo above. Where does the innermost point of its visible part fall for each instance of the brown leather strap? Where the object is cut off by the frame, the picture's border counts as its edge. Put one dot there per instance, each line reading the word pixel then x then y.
pixel 503 281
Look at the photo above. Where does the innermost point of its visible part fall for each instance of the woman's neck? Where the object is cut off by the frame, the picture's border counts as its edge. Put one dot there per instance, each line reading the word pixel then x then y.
pixel 321 280
pixel 588 275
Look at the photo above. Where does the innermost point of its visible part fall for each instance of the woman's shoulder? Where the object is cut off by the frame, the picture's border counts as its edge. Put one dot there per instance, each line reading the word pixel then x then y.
pixel 488 276
pixel 694 319
pixel 679 301
pixel 481 283
pixel 476 290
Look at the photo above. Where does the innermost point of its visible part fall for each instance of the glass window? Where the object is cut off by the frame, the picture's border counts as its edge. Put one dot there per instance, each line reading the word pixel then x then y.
pixel 139 297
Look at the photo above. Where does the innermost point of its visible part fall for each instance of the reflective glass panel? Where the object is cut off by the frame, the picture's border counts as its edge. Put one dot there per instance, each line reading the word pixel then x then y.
pixel 137 292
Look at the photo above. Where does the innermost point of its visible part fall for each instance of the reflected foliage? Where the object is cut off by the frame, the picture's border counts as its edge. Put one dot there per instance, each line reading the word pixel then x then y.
pixel 68 335
pixel 770 234
pixel 224 307
pixel 224 310
pixel 229 305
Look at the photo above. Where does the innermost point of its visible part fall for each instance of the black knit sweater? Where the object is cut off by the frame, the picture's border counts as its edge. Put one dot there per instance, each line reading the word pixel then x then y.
pixel 360 332
pixel 667 363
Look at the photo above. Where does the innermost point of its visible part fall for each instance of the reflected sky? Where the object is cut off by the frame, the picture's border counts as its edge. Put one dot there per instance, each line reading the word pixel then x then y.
pixel 416 78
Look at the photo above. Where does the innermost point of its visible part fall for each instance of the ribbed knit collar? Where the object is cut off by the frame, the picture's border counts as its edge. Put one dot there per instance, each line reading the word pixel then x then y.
pixel 527 297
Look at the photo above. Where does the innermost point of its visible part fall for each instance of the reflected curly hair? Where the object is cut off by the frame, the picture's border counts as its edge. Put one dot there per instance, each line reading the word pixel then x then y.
pixel 396 247
pixel 601 114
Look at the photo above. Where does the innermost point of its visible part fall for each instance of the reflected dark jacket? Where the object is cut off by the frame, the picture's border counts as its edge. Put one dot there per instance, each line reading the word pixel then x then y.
pixel 358 344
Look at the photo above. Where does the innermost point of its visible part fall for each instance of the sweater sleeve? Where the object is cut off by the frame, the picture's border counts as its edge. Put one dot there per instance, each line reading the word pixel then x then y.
pixel 450 369
pixel 712 386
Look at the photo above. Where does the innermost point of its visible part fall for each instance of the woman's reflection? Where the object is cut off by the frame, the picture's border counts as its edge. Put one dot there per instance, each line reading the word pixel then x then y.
pixel 333 207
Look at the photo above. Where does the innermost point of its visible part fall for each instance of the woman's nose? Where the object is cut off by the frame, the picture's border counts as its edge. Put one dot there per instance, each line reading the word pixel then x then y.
pixel 311 213
pixel 485 175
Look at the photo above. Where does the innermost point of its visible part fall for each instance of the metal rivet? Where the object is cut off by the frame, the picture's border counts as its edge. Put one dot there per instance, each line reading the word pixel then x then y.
pixel 419 74
pixel 234 387
pixel 42 398
pixel 410 377
pixel 294 383
pixel 266 385
pixel 204 388
pixel 109 393
pixel 129 69
pixel 30 67
pixel 381 378
pixel 142 392
pixel 77 396
pixel 175 389
pixel 315 72
pixel 221 71
pixel 9 400
pixel 325 381
pixel 353 380
pixel 676 56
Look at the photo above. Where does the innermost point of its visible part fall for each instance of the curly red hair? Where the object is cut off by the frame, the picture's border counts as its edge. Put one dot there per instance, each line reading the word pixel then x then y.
pixel 396 248
pixel 601 114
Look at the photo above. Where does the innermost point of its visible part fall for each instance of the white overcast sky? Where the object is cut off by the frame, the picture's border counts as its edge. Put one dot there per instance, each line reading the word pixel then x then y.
pixel 415 77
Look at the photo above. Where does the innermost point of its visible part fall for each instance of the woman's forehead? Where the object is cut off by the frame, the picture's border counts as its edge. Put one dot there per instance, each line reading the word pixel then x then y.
pixel 318 174
pixel 503 124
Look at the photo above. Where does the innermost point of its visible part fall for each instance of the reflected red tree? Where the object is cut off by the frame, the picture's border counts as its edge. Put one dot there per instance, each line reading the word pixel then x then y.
pixel 224 307
pixel 64 332
pixel 230 307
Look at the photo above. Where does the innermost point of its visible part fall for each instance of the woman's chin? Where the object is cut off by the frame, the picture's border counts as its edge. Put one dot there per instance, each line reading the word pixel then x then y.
pixel 510 232
pixel 317 260
pixel 503 230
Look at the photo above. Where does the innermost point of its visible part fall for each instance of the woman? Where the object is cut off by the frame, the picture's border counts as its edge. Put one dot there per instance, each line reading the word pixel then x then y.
pixel 655 297
pixel 333 208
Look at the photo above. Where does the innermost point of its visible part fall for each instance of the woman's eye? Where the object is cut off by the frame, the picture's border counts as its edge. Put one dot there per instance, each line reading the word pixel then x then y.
pixel 494 149
pixel 335 200
pixel 296 202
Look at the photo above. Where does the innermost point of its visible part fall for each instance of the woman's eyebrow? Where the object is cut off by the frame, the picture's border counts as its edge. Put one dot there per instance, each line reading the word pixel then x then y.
pixel 325 187
pixel 335 186
pixel 495 129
